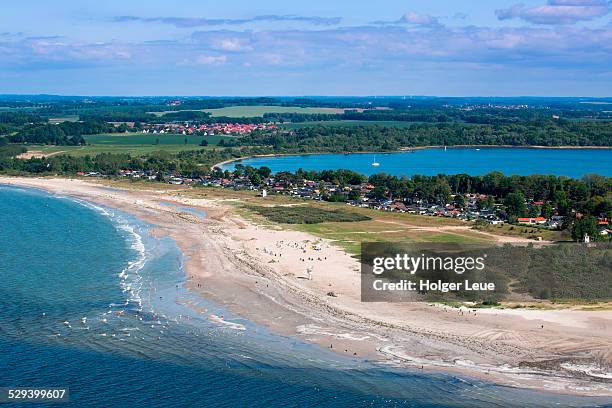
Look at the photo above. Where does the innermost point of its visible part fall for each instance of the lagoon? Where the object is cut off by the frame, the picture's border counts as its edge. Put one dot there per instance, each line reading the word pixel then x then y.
pixel 474 161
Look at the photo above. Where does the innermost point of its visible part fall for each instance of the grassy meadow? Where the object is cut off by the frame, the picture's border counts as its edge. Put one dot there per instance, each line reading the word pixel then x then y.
pixel 133 143
pixel 356 225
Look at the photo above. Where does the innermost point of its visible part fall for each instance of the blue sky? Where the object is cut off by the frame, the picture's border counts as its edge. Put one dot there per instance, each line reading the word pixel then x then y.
pixel 272 47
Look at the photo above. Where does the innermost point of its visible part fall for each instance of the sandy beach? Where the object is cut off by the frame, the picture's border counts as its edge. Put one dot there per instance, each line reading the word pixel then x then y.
pixel 262 274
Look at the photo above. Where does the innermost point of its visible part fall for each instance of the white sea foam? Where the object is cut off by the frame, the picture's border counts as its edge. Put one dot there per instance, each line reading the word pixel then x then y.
pixel 131 281
pixel 230 325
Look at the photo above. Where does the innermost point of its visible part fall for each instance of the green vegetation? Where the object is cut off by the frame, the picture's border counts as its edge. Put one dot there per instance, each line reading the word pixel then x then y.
pixel 306 214
pixel 65 133
pixel 254 110
pixel 529 232
pixel 251 111
pixel 561 272
pixel 323 138
pixel 131 149
pixel 151 139
pixel 343 123
pixel 8 151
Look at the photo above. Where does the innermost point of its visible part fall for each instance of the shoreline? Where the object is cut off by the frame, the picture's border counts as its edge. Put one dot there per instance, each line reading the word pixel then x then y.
pixel 241 266
pixel 408 149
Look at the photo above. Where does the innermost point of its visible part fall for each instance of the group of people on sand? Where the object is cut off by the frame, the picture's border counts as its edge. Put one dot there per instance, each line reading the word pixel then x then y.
pixel 303 246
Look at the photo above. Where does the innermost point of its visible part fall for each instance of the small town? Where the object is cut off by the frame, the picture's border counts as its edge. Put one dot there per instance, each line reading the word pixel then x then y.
pixel 479 208
pixel 205 129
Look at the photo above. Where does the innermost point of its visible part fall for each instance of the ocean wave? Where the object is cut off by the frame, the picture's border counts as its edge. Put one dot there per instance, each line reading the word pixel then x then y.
pixel 131 282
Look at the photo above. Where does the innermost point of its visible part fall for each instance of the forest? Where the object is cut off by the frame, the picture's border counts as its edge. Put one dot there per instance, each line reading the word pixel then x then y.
pixel 382 138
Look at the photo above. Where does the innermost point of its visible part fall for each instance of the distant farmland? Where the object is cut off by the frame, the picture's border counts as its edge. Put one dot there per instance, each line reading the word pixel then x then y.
pixel 150 139
pixel 251 111
pixel 132 143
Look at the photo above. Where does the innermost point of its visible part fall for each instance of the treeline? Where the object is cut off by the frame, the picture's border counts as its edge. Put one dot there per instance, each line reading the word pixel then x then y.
pixel 300 117
pixel 131 116
pixel 9 150
pixel 11 122
pixel 194 163
pixel 430 115
pixel 19 118
pixel 65 133
pixel 377 138
pixel 480 115
pixel 175 116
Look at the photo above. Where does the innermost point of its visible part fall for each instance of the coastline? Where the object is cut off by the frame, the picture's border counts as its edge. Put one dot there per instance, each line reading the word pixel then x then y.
pixel 238 264
pixel 408 149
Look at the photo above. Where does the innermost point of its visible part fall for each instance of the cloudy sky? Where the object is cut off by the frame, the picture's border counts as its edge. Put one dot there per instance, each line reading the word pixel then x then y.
pixel 314 47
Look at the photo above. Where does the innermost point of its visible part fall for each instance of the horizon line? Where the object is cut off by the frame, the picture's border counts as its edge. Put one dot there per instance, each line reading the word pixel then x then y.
pixel 303 96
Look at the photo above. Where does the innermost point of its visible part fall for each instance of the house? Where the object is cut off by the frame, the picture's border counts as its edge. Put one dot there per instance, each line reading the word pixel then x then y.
pixel 532 220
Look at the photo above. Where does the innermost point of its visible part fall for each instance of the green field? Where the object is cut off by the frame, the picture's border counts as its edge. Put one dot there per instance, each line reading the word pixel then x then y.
pixel 133 143
pixel 149 139
pixel 136 150
pixel 67 118
pixel 306 214
pixel 251 111
pixel 381 226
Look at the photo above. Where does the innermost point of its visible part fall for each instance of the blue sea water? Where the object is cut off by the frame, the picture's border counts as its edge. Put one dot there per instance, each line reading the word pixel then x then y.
pixel 521 161
pixel 91 301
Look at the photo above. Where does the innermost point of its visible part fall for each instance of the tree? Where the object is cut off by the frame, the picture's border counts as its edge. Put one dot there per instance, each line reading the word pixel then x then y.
pixel 378 192
pixel 459 201
pixel 587 225
pixel 255 178
pixel 441 191
pixel 354 195
pixel 534 211
pixel 264 171
pixel 561 202
pixel 204 142
pixel 547 210
pixel 515 204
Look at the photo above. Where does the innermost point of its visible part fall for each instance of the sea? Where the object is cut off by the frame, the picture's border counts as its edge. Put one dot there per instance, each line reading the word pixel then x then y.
pixel 474 161
pixel 91 301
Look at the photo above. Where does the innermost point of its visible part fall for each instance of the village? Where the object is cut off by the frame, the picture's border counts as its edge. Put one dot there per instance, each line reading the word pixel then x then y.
pixel 205 129
pixel 477 208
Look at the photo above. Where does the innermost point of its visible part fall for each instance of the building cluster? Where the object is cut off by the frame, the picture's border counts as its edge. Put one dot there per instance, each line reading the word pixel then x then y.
pixel 359 195
pixel 493 106
pixel 205 129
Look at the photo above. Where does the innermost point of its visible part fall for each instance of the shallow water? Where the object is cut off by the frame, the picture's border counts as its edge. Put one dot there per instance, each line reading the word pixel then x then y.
pixel 474 161
pixel 90 300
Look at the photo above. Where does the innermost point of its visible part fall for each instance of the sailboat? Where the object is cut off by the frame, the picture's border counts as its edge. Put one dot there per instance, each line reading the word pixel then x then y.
pixel 375 163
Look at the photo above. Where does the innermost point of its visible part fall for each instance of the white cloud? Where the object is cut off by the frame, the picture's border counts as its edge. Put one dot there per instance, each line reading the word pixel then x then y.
pixel 211 59
pixel 558 11
pixel 419 19
pixel 231 44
